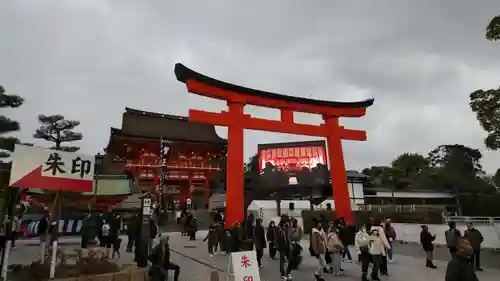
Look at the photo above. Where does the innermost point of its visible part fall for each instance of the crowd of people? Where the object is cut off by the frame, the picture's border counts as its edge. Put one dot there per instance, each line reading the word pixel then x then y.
pixel 329 243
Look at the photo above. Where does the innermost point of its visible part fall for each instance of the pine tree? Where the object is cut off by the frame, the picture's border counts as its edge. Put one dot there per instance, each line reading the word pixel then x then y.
pixel 58 130
pixel 7 125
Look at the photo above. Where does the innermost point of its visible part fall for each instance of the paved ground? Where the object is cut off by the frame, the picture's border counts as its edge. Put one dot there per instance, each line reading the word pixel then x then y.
pixel 196 264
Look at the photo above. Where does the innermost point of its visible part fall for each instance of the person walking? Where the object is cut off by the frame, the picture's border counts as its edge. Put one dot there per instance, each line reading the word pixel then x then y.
pixel 476 239
pixel 334 247
pixel 378 248
pixel 426 240
pixel 362 243
pixel 132 230
pixel 259 240
pixel 317 243
pixel 212 237
pixel 160 259
pixel 452 236
pixel 284 246
pixel 272 232
pixel 390 234
pixel 16 230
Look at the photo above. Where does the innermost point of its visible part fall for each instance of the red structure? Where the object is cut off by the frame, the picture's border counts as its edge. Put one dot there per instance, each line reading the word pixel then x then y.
pixel 236 121
pixel 195 152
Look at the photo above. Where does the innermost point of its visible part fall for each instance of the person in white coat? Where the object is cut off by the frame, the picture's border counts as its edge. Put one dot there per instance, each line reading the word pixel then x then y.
pixel 377 248
pixel 362 242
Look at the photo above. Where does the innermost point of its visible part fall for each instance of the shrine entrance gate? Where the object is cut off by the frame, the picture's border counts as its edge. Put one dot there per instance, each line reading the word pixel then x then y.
pixel 236 121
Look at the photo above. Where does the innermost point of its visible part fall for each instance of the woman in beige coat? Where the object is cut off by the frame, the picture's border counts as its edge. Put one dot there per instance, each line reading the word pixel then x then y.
pixel 317 248
pixel 334 247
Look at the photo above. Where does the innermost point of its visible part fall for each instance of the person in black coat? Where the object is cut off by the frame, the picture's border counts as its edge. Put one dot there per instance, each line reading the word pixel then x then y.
pixel 259 240
pixel 284 247
pixel 426 240
pixel 161 263
pixel 272 231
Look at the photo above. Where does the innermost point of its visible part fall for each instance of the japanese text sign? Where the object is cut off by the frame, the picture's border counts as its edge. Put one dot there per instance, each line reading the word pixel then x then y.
pixel 244 266
pixel 35 167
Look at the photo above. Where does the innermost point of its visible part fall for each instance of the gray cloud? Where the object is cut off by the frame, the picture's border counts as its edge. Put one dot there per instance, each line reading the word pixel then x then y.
pixel 419 59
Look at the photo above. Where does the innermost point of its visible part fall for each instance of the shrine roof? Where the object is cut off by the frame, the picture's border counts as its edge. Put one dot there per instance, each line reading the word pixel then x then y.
pixel 143 124
pixel 184 74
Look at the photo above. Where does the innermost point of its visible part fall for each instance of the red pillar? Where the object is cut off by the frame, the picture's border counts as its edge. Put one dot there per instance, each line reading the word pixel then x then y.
pixel 337 170
pixel 182 194
pixel 207 193
pixel 234 170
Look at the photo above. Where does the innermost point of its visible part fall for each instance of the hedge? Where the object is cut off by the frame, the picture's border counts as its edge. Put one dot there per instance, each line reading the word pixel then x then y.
pixel 361 217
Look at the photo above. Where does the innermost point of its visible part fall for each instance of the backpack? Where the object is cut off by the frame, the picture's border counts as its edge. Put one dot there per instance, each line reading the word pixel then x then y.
pixel 105 229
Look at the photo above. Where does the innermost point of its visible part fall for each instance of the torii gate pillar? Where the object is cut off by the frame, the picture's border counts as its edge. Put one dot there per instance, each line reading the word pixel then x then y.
pixel 235 190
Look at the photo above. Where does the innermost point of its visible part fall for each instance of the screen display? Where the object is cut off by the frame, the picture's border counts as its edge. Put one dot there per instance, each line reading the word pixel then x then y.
pixel 292 158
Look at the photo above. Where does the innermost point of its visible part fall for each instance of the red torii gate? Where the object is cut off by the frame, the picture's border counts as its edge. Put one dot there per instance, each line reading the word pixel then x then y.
pixel 236 121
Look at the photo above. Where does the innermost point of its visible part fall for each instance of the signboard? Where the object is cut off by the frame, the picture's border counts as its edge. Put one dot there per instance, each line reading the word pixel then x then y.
pixel 146 208
pixel 292 156
pixel 244 266
pixel 35 167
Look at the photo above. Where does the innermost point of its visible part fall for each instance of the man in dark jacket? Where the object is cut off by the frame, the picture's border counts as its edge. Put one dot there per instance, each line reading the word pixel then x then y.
pixel 161 264
pixel 476 239
pixel 452 236
pixel 426 240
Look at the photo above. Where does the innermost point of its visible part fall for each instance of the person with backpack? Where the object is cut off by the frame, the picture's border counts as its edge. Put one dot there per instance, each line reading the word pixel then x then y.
pixel 161 263
pixel 106 240
pixel 212 237
pixel 460 268
pixel 318 249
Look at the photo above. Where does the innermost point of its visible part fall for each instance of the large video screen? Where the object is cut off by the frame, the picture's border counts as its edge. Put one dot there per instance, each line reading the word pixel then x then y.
pixel 294 163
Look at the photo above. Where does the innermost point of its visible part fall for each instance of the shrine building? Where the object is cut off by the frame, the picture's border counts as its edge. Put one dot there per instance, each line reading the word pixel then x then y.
pixel 195 160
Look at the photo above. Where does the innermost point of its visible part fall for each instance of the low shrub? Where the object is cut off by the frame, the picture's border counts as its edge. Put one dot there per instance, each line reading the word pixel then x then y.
pixel 38 271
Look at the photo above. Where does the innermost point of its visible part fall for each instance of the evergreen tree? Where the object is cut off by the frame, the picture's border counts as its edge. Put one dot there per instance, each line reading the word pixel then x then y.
pixel 7 125
pixel 58 130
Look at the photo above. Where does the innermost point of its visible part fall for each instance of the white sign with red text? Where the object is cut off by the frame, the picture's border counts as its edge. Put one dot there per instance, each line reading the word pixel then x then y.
pixel 36 167
pixel 244 266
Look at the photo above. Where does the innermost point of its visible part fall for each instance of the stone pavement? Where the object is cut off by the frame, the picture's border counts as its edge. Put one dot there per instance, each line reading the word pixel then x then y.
pixel 406 267
pixel 196 264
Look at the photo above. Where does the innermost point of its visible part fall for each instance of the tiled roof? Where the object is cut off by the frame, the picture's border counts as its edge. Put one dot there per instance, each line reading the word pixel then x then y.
pixel 156 125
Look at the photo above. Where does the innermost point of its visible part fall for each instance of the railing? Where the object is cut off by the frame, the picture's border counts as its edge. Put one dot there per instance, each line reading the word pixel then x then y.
pixel 473 220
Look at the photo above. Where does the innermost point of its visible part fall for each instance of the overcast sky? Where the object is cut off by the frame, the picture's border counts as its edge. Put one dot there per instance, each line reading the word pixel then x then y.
pixel 420 60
